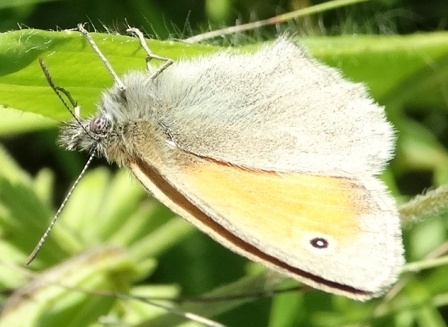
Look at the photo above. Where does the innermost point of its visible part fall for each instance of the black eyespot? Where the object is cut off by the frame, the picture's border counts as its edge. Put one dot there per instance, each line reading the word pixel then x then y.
pixel 99 124
pixel 319 243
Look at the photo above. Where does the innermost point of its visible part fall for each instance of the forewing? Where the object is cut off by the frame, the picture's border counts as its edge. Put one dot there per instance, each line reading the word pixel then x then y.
pixel 281 220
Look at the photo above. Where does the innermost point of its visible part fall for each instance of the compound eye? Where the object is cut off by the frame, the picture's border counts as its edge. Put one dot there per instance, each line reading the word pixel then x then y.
pixel 99 124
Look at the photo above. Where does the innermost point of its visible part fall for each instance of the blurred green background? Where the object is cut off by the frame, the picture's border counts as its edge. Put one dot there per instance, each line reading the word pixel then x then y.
pixel 371 42
pixel 165 17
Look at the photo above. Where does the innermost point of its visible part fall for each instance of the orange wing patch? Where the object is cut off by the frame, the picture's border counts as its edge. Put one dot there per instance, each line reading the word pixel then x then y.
pixel 283 205
pixel 264 216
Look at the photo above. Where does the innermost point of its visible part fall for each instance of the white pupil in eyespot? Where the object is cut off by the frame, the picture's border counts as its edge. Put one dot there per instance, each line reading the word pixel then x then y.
pixel 319 243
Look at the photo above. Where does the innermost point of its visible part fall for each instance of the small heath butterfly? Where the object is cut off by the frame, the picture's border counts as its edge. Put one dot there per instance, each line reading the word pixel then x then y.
pixel 272 154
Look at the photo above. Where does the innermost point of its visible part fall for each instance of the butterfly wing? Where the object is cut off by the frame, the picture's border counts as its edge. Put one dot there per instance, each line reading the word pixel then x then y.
pixel 275 110
pixel 336 234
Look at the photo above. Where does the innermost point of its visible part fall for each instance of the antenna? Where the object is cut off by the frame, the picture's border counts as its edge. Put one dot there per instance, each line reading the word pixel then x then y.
pixel 64 95
pixel 61 91
pixel 56 216
pixel 75 113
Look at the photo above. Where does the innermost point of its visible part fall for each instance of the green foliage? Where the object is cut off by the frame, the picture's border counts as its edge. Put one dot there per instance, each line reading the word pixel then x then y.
pixel 120 240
